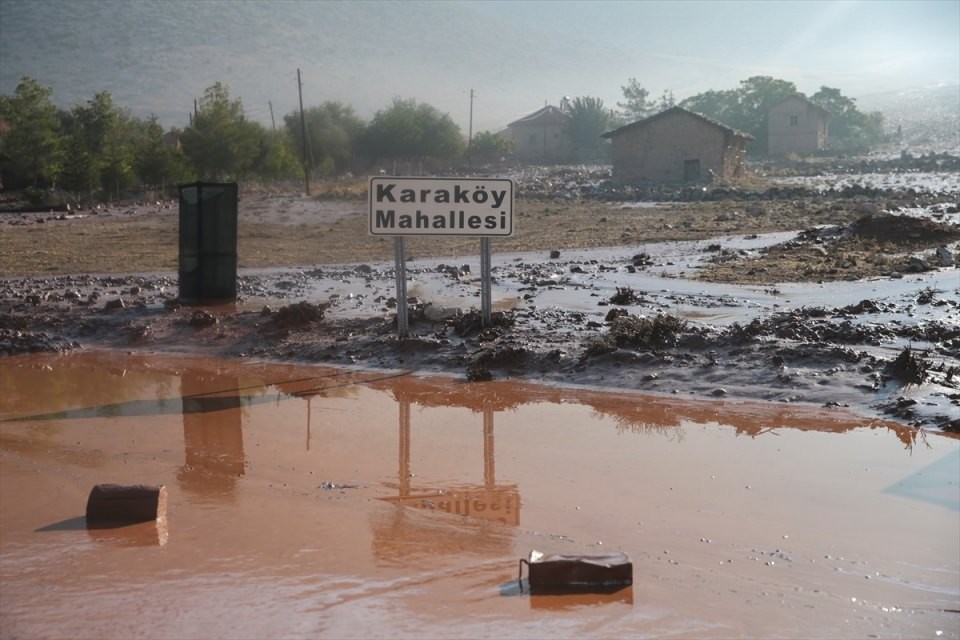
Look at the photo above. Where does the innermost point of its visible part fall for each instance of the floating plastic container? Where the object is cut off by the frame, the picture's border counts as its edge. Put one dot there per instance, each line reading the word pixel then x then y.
pixel 601 573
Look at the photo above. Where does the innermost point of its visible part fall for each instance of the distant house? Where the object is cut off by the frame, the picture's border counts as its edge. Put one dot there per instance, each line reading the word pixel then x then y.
pixel 540 136
pixel 171 140
pixel 676 146
pixel 796 125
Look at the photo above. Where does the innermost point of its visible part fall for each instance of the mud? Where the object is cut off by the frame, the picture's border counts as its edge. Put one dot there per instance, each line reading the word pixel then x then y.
pixel 306 501
pixel 763 420
pixel 861 314
pixel 587 318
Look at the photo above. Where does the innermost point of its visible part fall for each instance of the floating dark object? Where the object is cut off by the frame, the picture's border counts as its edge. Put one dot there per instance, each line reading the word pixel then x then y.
pixel 607 572
pixel 117 505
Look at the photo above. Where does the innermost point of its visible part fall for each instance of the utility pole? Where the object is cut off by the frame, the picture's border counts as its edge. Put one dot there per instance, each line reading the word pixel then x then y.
pixel 273 122
pixel 470 136
pixel 303 131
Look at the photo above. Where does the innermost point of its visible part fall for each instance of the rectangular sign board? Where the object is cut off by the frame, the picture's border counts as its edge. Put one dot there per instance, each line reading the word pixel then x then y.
pixel 478 207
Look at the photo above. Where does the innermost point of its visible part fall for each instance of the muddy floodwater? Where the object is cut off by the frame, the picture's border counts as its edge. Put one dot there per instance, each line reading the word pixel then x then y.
pixel 308 502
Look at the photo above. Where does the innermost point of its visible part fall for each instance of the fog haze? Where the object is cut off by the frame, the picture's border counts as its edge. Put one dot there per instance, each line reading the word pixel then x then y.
pixel 157 57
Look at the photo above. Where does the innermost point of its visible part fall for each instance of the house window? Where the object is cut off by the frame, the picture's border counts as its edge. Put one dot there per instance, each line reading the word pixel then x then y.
pixel 794 121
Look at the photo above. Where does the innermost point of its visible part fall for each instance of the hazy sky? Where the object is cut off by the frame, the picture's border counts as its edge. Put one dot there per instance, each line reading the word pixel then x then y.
pixel 156 56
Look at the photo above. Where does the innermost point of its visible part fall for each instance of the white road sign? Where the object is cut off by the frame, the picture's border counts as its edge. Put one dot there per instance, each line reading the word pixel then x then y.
pixel 480 207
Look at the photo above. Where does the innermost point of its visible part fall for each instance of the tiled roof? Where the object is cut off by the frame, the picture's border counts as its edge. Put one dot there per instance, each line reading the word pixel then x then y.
pixel 539 113
pixel 674 110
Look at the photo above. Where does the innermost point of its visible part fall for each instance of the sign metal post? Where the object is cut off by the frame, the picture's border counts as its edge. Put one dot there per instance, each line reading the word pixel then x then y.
pixel 400 270
pixel 476 207
pixel 486 298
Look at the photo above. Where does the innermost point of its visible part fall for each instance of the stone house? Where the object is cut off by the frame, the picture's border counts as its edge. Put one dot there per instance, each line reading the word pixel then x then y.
pixel 540 137
pixel 796 125
pixel 677 146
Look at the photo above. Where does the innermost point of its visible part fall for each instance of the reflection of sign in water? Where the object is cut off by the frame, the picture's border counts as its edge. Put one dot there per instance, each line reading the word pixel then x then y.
pixel 403 533
pixel 489 501
pixel 500 504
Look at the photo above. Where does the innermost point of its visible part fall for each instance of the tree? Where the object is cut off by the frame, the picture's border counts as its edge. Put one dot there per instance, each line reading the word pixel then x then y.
pixel 407 130
pixel 744 108
pixel 491 147
pixel 79 173
pixel 757 95
pixel 220 142
pixel 850 129
pixel 115 139
pixel 277 160
pixel 30 139
pixel 636 104
pixel 665 101
pixel 722 106
pixel 96 122
pixel 332 133
pixel 158 163
pixel 589 119
pixel 108 138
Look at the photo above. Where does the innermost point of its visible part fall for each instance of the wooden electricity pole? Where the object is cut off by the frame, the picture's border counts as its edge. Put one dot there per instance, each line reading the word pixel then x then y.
pixel 303 131
pixel 470 136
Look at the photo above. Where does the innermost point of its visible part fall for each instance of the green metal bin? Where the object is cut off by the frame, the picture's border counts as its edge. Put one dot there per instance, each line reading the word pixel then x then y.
pixel 208 242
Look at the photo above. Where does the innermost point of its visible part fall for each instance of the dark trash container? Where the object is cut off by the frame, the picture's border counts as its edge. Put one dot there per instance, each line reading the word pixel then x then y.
pixel 208 242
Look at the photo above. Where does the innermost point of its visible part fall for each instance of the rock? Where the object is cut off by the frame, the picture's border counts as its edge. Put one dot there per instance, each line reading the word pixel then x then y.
pixel 613 314
pixel 554 254
pixel 944 256
pixel 299 314
pixel 477 372
pixel 434 313
pixel 202 318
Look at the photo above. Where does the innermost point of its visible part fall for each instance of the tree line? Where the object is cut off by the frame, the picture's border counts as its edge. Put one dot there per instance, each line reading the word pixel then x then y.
pixel 98 150
pixel 743 108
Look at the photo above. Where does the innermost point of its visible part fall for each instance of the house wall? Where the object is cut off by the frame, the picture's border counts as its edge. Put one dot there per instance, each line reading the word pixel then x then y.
pixel 541 140
pixel 795 126
pixel 660 151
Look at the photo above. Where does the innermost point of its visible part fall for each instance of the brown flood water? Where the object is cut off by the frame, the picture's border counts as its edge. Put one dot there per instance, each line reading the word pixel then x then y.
pixel 308 502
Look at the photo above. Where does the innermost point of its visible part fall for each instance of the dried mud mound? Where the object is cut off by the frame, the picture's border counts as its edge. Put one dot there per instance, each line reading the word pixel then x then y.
pixel 904 231
pixel 872 246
